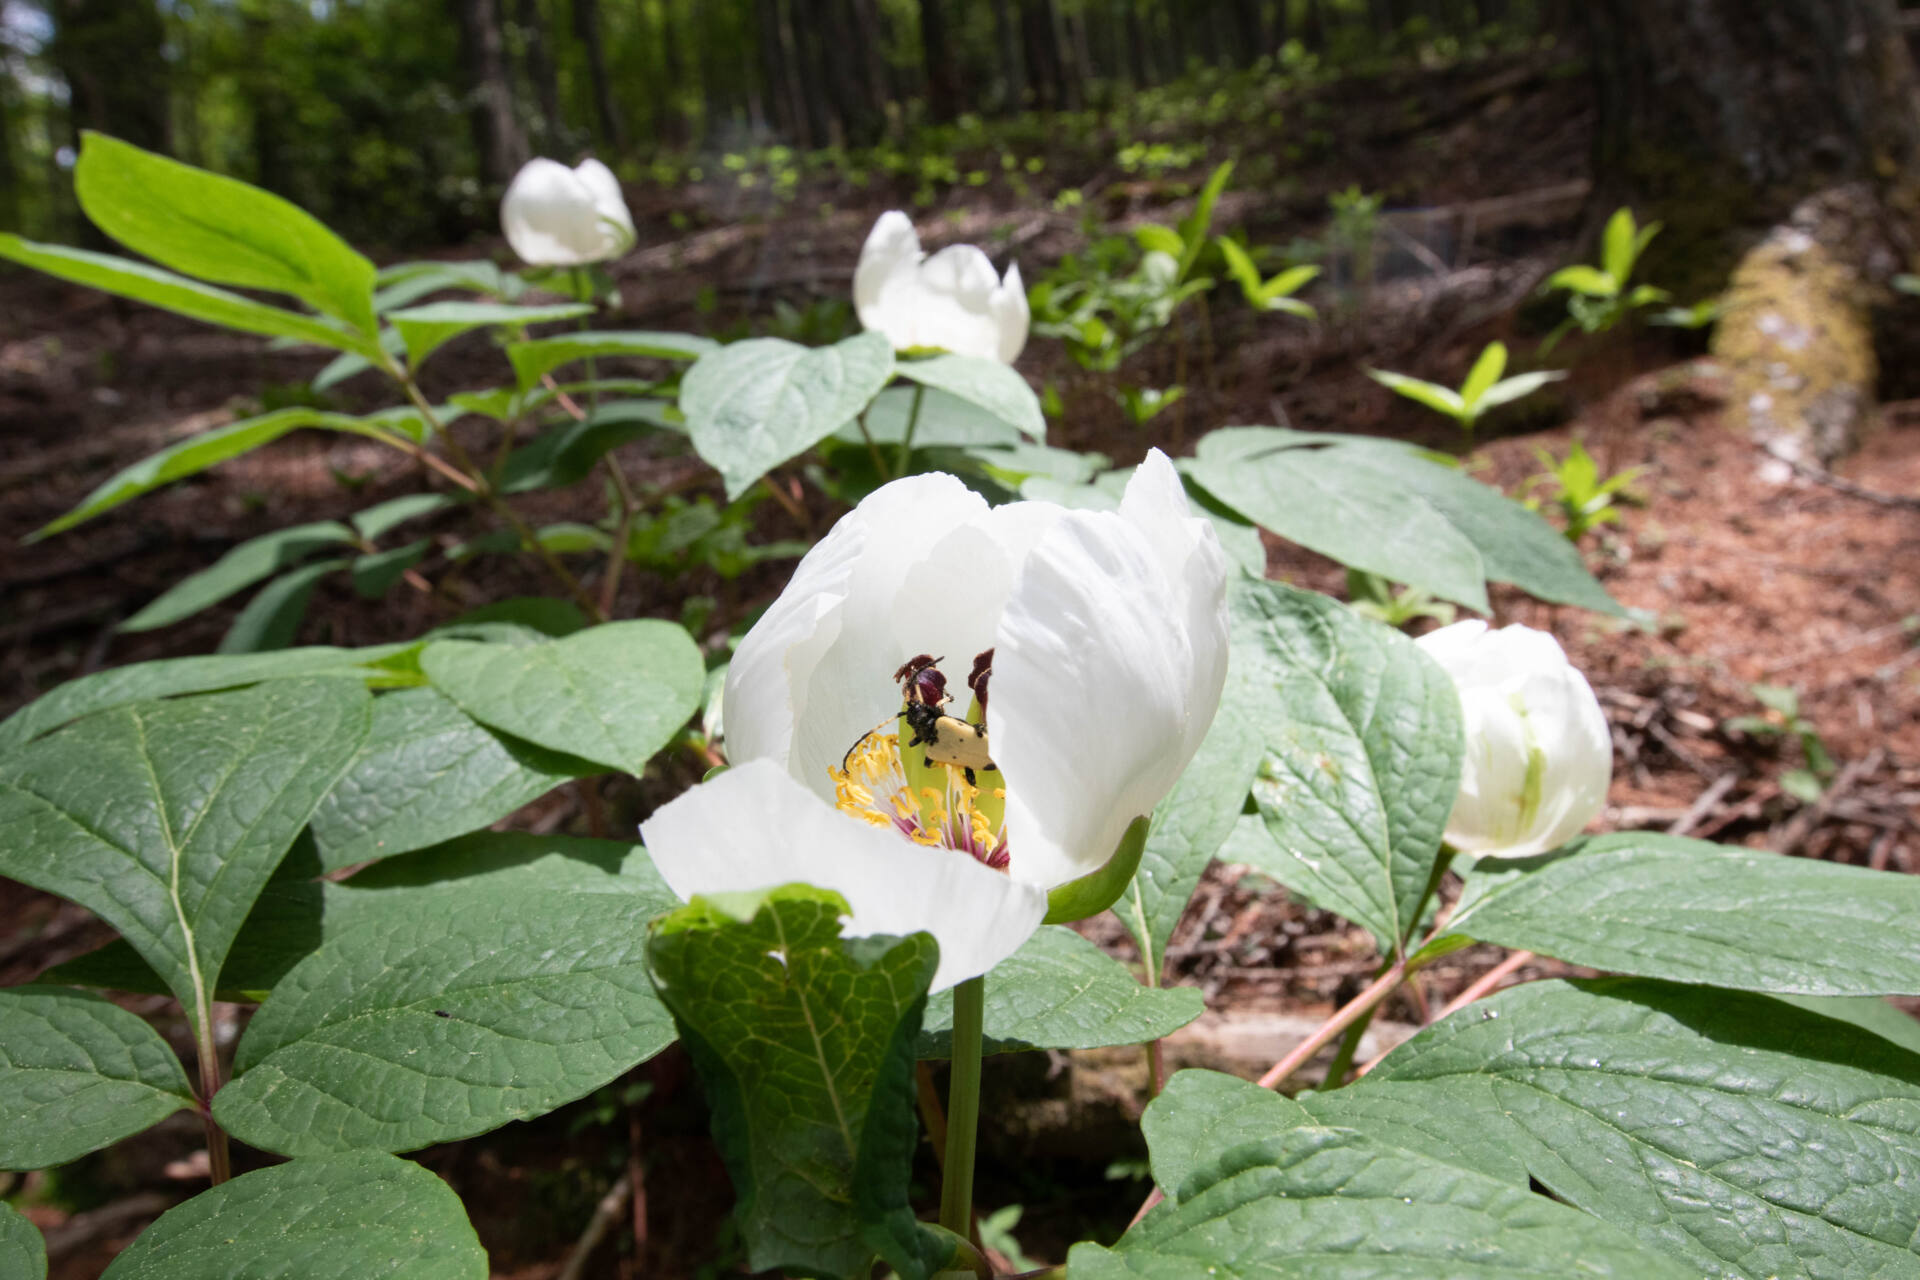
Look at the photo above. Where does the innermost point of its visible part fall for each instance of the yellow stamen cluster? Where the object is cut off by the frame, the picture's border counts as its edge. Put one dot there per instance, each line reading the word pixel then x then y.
pixel 873 786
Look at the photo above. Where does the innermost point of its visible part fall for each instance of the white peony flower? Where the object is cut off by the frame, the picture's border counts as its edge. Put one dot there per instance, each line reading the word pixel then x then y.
pixel 1539 755
pixel 560 217
pixel 952 300
pixel 1097 642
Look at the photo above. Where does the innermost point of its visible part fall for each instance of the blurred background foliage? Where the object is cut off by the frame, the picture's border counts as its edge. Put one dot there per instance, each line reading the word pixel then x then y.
pixel 398 121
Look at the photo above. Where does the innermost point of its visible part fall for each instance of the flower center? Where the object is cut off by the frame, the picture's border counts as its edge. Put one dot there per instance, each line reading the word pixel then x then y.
pixel 940 788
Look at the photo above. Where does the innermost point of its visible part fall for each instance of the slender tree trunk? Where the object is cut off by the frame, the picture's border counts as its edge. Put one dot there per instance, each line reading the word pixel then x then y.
pixel 1137 59
pixel 869 38
pixel 943 75
pixel 816 72
pixel 540 73
pixel 586 29
pixel 1012 59
pixel 9 169
pixel 1722 117
pixel 496 129
pixel 106 50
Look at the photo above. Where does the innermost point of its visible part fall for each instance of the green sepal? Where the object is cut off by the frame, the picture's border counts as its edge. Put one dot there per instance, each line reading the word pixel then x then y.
pixel 1097 890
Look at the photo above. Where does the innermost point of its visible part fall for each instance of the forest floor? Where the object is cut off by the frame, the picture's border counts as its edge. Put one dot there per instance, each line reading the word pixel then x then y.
pixel 1734 581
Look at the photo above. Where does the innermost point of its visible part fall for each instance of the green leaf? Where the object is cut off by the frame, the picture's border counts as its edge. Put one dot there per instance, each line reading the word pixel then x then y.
pixel 1060 991
pixel 77 1073
pixel 1735 1133
pixel 1202 1113
pixel 363 1216
pixel 23 1254
pixel 166 819
pixel 569 538
pixel 1239 266
pixel 169 677
pixel 539 356
pixel 541 615
pixel 238 569
pixel 1518 387
pixel 1582 279
pixel 428 772
pixel 1194 227
pixel 995 387
pixel 1485 372
pixel 1618 246
pixel 1362 744
pixel 1155 238
pixel 220 229
pixel 375 573
pixel 1319 1202
pixel 1189 827
pixel 752 405
pixel 190 298
pixel 1287 282
pixel 210 448
pixel 565 454
pixel 448 1019
pixel 405 283
pixel 805 1043
pixel 272 618
pixel 1668 907
pixel 946 421
pixel 614 694
pixel 1384 507
pixel 1431 394
pixel 424 329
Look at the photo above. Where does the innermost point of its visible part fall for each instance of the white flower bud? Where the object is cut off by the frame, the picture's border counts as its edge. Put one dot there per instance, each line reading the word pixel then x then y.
pixel 953 300
pixel 559 217
pixel 1539 755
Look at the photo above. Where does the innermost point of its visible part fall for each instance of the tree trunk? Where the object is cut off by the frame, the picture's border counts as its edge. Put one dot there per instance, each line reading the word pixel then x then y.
pixel 496 131
pixel 1722 117
pixel 117 83
pixel 540 73
pixel 1012 60
pixel 9 169
pixel 586 29
pixel 943 76
pixel 1137 60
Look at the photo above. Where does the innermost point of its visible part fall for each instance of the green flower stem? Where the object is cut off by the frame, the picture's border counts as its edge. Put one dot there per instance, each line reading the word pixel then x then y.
pixel 879 463
pixel 963 1107
pixel 219 1160
pixel 913 421
pixel 1350 1043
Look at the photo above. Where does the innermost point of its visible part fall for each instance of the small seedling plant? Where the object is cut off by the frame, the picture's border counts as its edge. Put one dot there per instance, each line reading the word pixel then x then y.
pixel 1483 390
pixel 334 838
pixel 1780 722
pixel 1584 499
pixel 1599 297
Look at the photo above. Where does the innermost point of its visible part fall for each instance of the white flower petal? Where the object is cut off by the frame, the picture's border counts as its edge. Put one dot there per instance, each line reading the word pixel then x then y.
pixel 886 281
pixel 560 217
pixel 753 828
pixel 1101 692
pixel 955 307
pixel 1008 306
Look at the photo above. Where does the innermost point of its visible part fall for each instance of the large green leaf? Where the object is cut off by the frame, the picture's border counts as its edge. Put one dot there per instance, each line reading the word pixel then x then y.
pixel 805 1043
pixel 995 387
pixel 220 229
pixel 23 1254
pixel 752 405
pixel 945 421
pixel 293 918
pixel 566 453
pixel 1202 1113
pixel 208 449
pixel 169 677
pixel 362 1216
pixel 1361 742
pixel 451 1017
pixel 1324 1203
pixel 614 694
pixel 1668 907
pixel 538 356
pixel 167 818
pixel 77 1073
pixel 1385 507
pixel 1189 827
pixel 240 568
pixel 1060 991
pixel 428 772
pixel 426 328
pixel 1741 1135
pixel 164 289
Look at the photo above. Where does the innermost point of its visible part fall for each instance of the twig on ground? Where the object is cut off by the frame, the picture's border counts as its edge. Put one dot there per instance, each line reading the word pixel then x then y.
pixel 1840 484
pixel 603 1215
pixel 1700 808
pixel 1796 830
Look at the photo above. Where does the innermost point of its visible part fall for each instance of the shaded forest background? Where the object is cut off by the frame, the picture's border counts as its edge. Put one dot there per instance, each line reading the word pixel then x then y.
pixel 397 121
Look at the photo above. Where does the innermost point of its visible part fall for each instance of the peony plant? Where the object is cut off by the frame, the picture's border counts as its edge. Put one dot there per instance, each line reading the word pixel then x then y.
pixel 554 216
pixel 952 301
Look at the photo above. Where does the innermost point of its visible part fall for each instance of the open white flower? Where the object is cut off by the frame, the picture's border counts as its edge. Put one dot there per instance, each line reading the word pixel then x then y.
pixel 953 300
pixel 1539 755
pixel 560 217
pixel 1095 644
